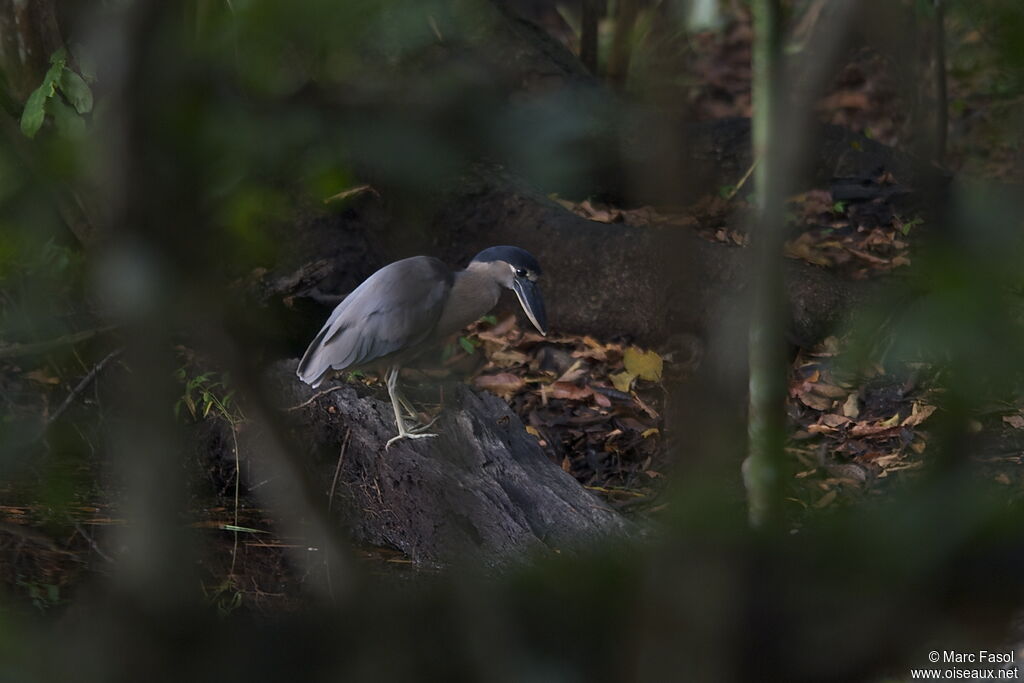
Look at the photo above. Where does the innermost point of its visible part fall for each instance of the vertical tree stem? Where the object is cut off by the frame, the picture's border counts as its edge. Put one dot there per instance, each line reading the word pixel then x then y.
pixel 766 420
pixel 588 35
pixel 941 95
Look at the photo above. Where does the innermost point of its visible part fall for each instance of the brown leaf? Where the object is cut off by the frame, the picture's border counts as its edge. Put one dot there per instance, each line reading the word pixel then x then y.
pixel 42 376
pixel 502 384
pixel 875 429
pixel 499 332
pixel 828 390
pixel 815 401
pixel 803 248
pixel 567 390
pixel 651 412
pixel 507 357
pixel 351 192
pixel 833 420
pixel 870 258
pixel 919 413
pixel 575 372
pixel 851 406
pixel 826 500
pixel 1015 421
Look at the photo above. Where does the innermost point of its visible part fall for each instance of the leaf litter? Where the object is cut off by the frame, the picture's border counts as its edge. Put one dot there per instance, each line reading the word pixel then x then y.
pixel 593 406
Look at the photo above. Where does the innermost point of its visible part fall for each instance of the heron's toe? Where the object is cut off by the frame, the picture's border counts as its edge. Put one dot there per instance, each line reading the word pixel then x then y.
pixel 421 428
pixel 408 435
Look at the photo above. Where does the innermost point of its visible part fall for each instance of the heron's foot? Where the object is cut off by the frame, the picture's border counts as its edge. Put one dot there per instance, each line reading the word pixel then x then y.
pixel 411 434
pixel 419 429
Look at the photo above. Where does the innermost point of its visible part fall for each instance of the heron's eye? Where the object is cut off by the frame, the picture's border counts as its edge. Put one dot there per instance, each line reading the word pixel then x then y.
pixel 520 272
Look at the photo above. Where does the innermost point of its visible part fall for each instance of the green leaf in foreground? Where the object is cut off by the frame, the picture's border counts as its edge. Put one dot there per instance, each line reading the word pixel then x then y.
pixel 467 345
pixel 35 110
pixel 76 90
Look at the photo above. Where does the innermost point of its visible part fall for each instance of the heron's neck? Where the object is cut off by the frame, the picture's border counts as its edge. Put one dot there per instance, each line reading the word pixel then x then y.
pixel 474 293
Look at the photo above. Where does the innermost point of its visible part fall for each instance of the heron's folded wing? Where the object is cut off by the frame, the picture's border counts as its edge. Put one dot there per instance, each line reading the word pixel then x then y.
pixel 395 308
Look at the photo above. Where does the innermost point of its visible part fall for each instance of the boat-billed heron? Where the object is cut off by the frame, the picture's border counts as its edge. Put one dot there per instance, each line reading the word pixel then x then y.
pixel 406 307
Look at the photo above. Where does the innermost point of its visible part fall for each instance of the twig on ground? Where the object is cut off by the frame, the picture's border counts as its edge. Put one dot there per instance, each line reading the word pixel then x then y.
pixel 330 504
pixel 337 469
pixel 311 399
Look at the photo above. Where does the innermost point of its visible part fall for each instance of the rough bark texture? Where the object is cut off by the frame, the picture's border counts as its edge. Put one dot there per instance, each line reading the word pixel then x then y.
pixel 612 279
pixel 482 490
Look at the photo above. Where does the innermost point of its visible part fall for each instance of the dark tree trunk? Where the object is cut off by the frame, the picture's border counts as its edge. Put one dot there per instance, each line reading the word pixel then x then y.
pixel 481 491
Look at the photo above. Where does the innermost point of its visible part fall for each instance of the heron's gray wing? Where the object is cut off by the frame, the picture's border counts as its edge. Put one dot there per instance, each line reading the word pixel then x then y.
pixel 395 308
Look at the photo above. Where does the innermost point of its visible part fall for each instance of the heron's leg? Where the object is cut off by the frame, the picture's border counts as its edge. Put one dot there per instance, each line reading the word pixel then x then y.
pixel 413 413
pixel 403 431
pixel 407 404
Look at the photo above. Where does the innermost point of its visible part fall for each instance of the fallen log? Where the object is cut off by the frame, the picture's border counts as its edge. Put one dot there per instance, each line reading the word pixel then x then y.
pixel 481 491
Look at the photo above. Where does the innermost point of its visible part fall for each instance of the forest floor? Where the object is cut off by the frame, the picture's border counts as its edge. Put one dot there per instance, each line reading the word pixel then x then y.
pixel 596 406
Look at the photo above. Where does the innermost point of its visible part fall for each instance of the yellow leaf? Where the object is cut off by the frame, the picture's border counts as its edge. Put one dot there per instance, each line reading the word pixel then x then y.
pixel 530 429
pixel 622 381
pixel 649 432
pixel 891 422
pixel 645 365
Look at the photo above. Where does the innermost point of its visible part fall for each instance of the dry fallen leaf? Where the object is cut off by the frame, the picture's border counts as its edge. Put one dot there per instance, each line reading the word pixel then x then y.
pixel 575 371
pixel 1015 421
pixel 826 500
pixel 851 407
pixel 42 376
pixel 645 365
pixel 815 401
pixel 569 391
pixel 919 413
pixel 828 390
pixel 506 358
pixel 622 381
pixel 502 384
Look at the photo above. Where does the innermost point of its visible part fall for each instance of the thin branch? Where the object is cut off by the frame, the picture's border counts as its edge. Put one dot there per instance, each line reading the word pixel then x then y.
pixel 337 469
pixel 311 399
pixel 744 179
pixel 34 348
pixel 92 543
pixel 81 386
pixel 941 95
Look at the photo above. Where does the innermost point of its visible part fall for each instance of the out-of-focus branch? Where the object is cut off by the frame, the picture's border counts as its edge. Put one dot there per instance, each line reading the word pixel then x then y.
pixel 80 387
pixel 941 95
pixel 34 348
pixel 780 141
pixel 588 34
pixel 763 469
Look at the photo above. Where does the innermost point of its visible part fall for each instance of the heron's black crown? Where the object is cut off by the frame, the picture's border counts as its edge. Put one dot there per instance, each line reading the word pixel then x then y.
pixel 514 256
